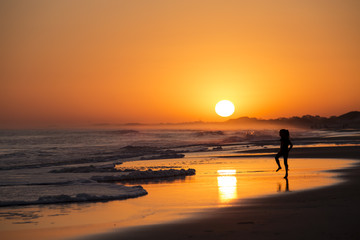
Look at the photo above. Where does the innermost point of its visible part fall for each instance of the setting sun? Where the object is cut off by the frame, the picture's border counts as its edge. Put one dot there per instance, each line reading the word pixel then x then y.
pixel 224 108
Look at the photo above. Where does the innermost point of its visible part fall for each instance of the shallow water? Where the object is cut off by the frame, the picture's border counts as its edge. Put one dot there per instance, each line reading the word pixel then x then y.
pixel 218 183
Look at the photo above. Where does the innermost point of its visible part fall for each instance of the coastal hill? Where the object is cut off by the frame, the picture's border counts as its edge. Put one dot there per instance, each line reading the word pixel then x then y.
pixel 350 120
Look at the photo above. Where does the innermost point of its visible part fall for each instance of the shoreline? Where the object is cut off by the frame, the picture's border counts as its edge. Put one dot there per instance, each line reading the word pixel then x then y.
pixel 323 213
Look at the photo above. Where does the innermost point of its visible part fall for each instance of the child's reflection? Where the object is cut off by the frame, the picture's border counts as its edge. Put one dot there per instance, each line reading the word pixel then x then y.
pixel 286 187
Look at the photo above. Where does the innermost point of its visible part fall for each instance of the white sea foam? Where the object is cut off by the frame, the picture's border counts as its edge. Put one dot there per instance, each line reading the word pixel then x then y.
pixel 149 174
pixel 68 193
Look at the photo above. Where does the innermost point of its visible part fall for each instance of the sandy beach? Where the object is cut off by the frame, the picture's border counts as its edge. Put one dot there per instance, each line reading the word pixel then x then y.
pixel 323 213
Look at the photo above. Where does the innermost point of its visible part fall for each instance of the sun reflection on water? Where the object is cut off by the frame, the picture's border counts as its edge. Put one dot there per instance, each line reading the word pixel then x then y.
pixel 227 185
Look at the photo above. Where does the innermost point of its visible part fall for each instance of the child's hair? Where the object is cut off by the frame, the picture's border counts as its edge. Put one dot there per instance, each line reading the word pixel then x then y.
pixel 284 134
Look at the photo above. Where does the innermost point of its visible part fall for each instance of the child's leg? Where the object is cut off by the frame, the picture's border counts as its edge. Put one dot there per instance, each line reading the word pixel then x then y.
pixel 286 165
pixel 277 161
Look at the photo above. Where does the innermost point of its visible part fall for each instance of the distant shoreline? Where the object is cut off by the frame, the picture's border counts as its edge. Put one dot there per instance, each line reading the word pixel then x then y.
pixel 349 121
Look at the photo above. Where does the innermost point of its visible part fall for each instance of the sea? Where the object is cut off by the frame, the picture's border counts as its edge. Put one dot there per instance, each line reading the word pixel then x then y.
pixel 31 160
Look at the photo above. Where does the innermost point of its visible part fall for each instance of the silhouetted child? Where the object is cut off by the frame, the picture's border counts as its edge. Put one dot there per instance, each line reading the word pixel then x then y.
pixel 284 149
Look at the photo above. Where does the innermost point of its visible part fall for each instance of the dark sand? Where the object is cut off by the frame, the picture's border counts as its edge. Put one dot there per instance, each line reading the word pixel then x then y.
pixel 325 213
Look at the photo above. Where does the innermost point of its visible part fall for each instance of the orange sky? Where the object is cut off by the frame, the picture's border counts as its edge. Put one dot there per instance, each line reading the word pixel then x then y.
pixel 172 61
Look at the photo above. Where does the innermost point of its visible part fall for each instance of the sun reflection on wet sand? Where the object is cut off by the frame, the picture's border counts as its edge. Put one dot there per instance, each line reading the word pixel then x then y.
pixel 227 185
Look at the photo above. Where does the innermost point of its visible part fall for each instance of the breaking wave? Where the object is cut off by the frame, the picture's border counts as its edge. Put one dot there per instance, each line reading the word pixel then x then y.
pixel 108 193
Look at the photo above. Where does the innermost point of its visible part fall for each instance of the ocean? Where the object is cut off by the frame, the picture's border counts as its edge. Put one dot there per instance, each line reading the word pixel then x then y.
pixel 44 166
pixel 29 159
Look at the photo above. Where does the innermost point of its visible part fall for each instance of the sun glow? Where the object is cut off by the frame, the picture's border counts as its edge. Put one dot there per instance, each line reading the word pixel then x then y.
pixel 224 108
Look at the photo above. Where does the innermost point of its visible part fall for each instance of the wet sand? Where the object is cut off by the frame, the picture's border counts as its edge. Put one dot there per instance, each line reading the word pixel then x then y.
pixel 324 213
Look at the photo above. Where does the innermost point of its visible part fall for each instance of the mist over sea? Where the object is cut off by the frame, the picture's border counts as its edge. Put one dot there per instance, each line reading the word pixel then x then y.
pixel 23 149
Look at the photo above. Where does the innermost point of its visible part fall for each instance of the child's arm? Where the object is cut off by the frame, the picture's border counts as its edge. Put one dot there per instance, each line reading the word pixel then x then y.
pixel 291 145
